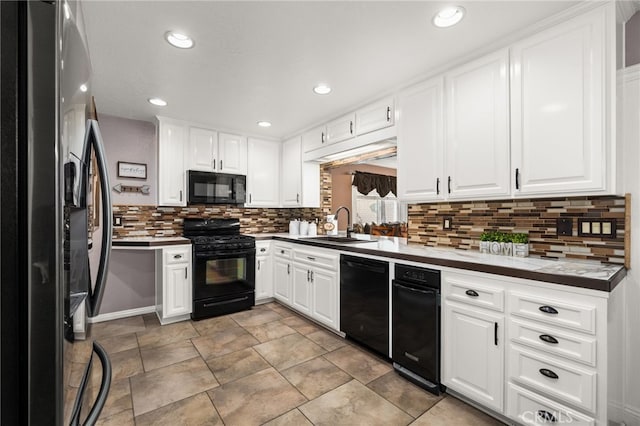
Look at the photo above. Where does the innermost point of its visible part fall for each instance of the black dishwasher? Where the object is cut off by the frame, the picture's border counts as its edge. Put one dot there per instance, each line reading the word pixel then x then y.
pixel 364 301
pixel 416 325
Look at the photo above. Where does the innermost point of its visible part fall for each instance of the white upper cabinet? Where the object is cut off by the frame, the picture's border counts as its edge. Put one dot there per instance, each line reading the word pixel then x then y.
pixel 341 129
pixel 300 183
pixel 291 173
pixel 314 139
pixel 210 151
pixel 375 116
pixel 477 129
pixel 420 142
pixel 232 150
pixel 559 108
pixel 263 177
pixel 172 139
pixel 202 149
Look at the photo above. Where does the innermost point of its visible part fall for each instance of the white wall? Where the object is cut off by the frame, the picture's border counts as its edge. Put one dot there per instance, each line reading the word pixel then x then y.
pixel 629 133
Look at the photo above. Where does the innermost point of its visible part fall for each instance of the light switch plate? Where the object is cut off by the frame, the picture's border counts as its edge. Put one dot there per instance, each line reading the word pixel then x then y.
pixel 447 223
pixel 117 220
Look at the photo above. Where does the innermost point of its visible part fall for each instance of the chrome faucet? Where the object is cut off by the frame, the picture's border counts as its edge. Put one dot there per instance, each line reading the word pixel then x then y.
pixel 348 219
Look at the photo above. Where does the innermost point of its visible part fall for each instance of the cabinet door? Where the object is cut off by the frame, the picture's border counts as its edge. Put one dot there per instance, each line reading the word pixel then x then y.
pixel 558 108
pixel 301 299
pixel 375 116
pixel 171 170
pixel 232 150
pixel 202 149
pixel 477 135
pixel 341 129
pixel 263 178
pixel 177 290
pixel 264 277
pixel 282 281
pixel 325 299
pixel 291 173
pixel 314 139
pixel 473 354
pixel 420 142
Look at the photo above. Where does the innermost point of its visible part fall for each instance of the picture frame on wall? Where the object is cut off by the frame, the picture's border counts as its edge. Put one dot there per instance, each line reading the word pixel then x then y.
pixel 132 170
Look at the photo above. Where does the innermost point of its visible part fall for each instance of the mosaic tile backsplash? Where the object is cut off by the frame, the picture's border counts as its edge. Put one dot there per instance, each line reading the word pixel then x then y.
pixel 534 217
pixel 140 221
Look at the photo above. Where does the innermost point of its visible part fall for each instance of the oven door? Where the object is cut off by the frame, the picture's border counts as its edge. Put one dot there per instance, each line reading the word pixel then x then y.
pixel 216 188
pixel 223 273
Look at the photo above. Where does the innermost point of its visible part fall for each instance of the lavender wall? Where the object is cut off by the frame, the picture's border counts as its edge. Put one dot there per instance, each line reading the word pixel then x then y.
pixel 632 40
pixel 131 278
pixel 131 141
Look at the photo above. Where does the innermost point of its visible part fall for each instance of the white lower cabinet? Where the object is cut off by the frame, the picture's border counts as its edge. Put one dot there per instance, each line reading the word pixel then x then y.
pixel 173 284
pixel 302 288
pixel 264 271
pixel 534 352
pixel 473 353
pixel 282 278
pixel 306 279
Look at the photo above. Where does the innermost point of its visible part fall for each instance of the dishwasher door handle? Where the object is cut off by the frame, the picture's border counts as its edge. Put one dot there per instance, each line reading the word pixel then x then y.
pixel 416 290
pixel 372 268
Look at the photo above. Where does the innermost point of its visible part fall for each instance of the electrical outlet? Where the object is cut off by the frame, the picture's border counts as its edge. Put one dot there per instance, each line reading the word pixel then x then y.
pixel 117 220
pixel 564 226
pixel 447 222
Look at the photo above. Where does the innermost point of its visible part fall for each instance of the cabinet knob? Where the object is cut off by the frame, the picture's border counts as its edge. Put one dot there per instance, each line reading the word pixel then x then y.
pixel 546 416
pixel 281 251
pixel 263 249
pixel 548 373
pixel 548 339
pixel 548 310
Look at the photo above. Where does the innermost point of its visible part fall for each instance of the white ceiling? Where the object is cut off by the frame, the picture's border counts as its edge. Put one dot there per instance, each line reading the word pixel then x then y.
pixel 259 60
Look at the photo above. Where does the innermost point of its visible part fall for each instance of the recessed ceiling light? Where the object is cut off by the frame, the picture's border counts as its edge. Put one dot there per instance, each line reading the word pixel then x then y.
pixel 179 40
pixel 448 16
pixel 157 101
pixel 322 89
pixel 83 88
pixel 264 123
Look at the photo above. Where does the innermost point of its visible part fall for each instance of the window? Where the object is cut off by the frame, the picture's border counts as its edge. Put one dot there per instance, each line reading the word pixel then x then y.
pixel 372 208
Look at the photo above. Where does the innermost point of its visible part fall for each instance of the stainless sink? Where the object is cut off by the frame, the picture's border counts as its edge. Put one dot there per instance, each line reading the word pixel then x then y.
pixel 332 239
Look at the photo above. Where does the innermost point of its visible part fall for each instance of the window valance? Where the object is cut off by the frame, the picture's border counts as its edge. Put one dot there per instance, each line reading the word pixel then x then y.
pixel 367 182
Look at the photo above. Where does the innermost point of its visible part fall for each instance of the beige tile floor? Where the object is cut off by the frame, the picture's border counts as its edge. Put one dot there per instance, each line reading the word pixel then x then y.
pixel 264 366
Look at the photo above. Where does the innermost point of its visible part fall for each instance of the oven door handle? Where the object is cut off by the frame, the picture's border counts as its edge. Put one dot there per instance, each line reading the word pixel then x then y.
pixel 414 289
pixel 223 254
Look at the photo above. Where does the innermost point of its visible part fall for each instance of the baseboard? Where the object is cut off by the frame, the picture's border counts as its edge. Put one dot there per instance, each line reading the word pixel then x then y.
pixel 122 314
pixel 631 415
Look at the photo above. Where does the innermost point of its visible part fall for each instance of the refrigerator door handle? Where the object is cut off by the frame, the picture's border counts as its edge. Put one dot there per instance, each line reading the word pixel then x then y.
pixel 95 294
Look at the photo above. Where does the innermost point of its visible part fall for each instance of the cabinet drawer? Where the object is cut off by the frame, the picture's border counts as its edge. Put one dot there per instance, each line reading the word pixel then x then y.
pixel 177 255
pixel 554 341
pixel 555 312
pixel 282 251
pixel 551 377
pixel 473 290
pixel 263 248
pixel 314 258
pixel 530 408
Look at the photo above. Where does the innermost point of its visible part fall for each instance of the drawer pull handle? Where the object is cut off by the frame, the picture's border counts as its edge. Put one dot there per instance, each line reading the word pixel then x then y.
pixel 471 293
pixel 548 310
pixel 177 256
pixel 548 373
pixel 546 416
pixel 311 258
pixel 548 339
pixel 263 250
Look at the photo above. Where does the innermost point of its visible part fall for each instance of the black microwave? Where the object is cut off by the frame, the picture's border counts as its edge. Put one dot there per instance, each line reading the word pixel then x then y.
pixel 216 188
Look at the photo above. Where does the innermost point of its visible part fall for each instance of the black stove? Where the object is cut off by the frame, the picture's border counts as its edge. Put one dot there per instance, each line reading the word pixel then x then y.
pixel 223 265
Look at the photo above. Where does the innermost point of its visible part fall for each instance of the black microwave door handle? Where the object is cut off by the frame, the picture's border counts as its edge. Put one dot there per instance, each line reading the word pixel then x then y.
pixel 105 384
pixel 95 294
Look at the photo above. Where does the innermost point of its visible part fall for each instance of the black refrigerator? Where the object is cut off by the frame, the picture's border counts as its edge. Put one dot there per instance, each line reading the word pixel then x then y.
pixel 50 140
